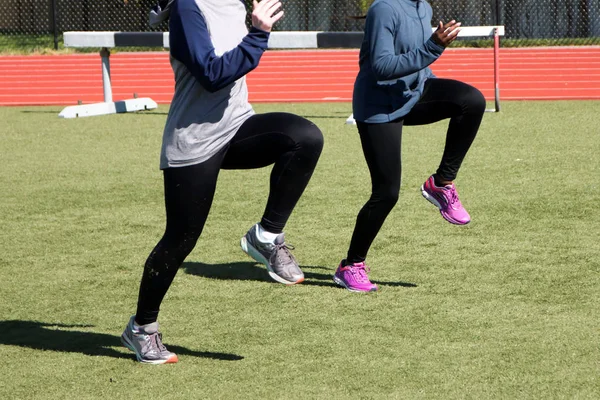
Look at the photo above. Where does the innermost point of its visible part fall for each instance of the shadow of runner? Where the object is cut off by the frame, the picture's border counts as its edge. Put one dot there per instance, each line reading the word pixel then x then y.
pixel 54 337
pixel 251 271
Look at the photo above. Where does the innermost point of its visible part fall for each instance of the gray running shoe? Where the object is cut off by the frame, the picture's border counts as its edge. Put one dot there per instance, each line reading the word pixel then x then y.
pixel 146 343
pixel 276 256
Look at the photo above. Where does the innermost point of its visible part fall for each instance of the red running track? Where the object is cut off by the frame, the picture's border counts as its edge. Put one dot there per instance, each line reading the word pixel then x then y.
pixel 299 76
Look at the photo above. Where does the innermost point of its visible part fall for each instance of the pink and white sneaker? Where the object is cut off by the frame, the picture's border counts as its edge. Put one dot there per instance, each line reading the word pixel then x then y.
pixel 446 199
pixel 354 277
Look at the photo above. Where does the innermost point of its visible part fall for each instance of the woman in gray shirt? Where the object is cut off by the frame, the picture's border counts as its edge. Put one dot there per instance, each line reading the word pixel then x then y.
pixel 211 126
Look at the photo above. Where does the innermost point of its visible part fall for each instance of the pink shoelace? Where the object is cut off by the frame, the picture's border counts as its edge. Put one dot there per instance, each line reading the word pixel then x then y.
pixel 453 197
pixel 359 272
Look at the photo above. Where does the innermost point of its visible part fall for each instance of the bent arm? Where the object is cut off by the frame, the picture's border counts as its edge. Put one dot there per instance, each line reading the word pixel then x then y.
pixel 385 63
pixel 190 44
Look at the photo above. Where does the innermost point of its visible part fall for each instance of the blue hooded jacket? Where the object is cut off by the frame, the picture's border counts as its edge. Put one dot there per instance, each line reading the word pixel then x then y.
pixel 395 55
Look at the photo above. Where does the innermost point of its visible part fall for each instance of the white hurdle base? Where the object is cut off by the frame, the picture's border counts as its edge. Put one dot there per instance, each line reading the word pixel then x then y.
pixel 117 107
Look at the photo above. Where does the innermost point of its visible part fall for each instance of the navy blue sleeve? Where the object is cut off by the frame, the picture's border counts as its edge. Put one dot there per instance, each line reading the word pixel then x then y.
pixel 190 44
pixel 380 28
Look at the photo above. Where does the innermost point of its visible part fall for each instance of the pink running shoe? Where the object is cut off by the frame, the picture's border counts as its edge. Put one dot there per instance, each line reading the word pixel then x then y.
pixel 446 199
pixel 354 277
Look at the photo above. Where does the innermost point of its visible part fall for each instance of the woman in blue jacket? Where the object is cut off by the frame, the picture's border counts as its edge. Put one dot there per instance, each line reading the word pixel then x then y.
pixel 395 87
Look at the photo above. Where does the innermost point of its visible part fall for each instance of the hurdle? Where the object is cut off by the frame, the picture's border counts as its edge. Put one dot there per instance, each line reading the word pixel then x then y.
pixel 277 40
pixel 106 41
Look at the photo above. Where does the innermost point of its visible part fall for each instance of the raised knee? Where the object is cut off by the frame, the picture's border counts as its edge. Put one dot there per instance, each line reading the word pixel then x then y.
pixel 476 102
pixel 312 137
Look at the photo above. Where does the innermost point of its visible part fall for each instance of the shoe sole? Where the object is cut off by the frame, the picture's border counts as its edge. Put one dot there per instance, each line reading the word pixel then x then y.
pixel 436 203
pixel 130 346
pixel 258 257
pixel 343 284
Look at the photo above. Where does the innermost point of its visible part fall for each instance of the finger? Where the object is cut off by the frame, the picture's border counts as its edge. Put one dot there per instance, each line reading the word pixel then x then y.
pixel 440 26
pixel 271 10
pixel 449 24
pixel 452 36
pixel 454 33
pixel 254 4
pixel 454 26
pixel 450 31
pixel 454 30
pixel 260 5
pixel 277 16
pixel 266 4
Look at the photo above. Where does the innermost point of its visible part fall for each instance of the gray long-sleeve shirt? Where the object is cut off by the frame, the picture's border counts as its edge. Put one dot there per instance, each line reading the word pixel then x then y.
pixel 211 52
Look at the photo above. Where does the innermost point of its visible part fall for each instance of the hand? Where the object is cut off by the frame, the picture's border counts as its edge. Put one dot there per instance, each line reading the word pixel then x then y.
pixel 446 34
pixel 262 14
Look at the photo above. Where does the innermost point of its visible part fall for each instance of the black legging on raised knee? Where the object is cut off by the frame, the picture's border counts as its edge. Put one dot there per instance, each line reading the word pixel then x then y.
pixel 442 98
pixel 290 142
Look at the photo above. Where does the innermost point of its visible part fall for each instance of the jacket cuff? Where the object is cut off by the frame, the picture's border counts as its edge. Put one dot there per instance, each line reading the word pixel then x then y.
pixel 435 48
pixel 258 38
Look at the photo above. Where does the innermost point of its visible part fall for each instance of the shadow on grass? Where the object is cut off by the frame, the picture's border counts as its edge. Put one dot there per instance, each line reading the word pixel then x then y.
pixel 249 271
pixel 57 337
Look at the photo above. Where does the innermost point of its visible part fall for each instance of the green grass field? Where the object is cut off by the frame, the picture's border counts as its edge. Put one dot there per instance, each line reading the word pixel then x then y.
pixel 507 307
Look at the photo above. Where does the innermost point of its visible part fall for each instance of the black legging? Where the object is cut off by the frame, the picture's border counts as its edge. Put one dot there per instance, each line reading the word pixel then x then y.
pixel 290 142
pixel 442 98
